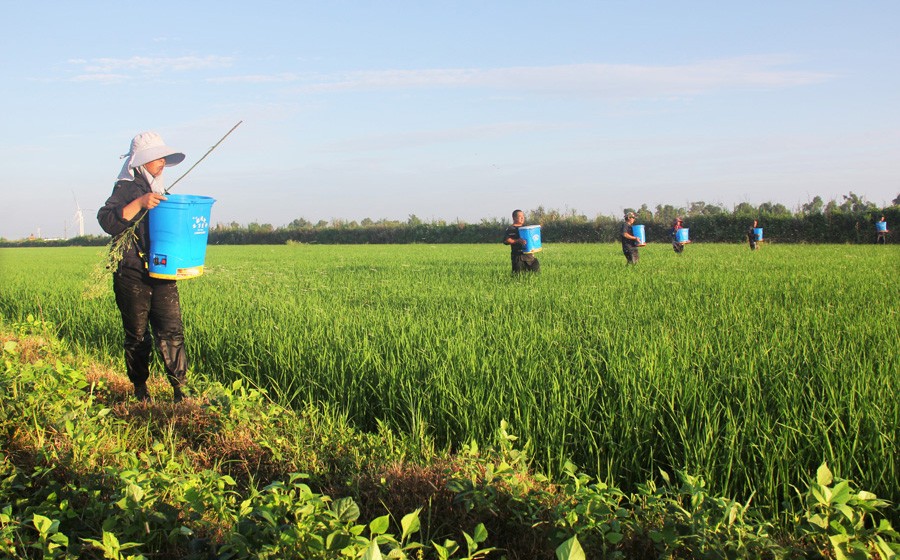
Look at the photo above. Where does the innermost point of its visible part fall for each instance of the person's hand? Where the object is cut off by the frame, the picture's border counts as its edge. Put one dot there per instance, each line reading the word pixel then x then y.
pixel 151 200
pixel 522 242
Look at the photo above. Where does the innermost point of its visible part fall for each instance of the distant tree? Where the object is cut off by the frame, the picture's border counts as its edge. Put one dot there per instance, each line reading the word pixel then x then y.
pixel 366 222
pixel 896 201
pixel 700 208
pixel 813 207
pixel 574 217
pixel 541 215
pixel 233 226
pixel 413 220
pixel 696 208
pixel 745 209
pixel 321 224
pixel 773 209
pixel 644 214
pixel 298 223
pixel 256 227
pixel 855 204
pixel 668 213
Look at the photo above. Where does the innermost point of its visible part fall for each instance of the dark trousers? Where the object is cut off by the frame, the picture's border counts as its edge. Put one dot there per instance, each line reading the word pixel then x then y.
pixel 631 254
pixel 525 262
pixel 677 247
pixel 148 303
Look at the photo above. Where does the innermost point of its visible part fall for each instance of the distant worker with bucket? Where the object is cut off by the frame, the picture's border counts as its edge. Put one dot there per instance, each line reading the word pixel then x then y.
pixel 677 242
pixel 753 236
pixel 521 261
pixel 144 301
pixel 630 242
pixel 881 231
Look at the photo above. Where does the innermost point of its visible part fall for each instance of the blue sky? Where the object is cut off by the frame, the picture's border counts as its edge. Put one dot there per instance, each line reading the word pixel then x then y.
pixel 449 110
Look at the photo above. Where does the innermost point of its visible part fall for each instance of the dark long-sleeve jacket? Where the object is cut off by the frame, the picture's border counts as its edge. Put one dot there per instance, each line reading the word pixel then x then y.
pixel 110 218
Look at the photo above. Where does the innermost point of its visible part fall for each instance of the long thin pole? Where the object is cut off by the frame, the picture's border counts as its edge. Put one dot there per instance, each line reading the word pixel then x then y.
pixel 204 157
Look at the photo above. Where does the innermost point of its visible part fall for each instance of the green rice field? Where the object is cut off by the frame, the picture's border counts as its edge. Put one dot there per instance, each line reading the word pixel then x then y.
pixel 748 368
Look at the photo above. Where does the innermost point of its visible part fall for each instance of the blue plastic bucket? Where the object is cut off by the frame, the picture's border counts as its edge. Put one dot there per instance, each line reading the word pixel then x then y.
pixel 179 228
pixel 758 232
pixel 638 231
pixel 681 235
pixel 532 237
pixel 880 226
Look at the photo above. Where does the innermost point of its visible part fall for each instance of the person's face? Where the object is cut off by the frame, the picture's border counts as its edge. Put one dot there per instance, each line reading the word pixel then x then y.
pixel 156 166
pixel 630 219
pixel 519 218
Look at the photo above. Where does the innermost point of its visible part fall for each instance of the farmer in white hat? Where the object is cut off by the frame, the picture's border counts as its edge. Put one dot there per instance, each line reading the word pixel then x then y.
pixel 145 303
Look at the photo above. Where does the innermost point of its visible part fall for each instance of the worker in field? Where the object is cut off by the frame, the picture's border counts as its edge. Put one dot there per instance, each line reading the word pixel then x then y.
pixel 881 231
pixel 677 246
pixel 145 303
pixel 752 237
pixel 521 261
pixel 629 241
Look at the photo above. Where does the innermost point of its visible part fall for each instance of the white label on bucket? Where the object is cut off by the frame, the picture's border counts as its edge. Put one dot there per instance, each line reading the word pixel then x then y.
pixel 200 225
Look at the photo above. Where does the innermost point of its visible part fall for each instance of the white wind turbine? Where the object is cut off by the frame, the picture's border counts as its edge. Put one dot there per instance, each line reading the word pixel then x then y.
pixel 79 217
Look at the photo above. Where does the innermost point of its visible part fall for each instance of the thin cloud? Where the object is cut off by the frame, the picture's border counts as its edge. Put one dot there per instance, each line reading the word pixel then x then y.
pixel 282 78
pixel 116 69
pixel 593 80
pixel 630 80
pixel 101 78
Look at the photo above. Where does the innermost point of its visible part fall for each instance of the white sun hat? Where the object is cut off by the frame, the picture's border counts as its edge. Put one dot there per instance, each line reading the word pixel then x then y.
pixel 147 147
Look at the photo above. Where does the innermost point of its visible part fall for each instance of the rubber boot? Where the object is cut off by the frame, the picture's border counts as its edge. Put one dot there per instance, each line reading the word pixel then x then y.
pixel 179 394
pixel 141 393
pixel 175 360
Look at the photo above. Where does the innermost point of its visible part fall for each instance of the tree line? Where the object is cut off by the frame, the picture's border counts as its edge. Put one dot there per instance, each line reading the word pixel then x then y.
pixel 850 220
